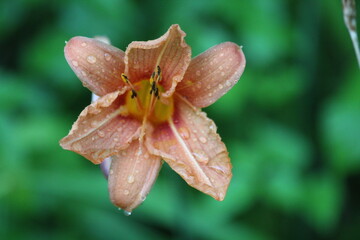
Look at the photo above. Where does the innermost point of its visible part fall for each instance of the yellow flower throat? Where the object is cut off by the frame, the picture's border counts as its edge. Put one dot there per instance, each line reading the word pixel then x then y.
pixel 143 101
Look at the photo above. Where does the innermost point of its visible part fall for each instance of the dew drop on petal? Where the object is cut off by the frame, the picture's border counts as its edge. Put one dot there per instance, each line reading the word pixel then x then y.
pixel 111 171
pixel 107 57
pixel 126 192
pixel 94 123
pixel 203 139
pixel 184 133
pixel 221 86
pixel 75 63
pixel 228 83
pixel 83 73
pixel 201 156
pixel 222 74
pixel 83 44
pixel 221 195
pixel 101 134
pixel 131 179
pixel 76 146
pixel 91 59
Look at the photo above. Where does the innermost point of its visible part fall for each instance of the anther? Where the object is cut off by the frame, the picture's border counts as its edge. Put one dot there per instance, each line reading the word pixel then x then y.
pixel 125 78
pixel 126 81
pixel 158 70
pixel 133 93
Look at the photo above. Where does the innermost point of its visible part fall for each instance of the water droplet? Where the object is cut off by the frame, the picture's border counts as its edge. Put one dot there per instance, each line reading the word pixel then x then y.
pixel 131 179
pixel 222 74
pixel 107 57
pixel 101 134
pixel 76 146
pixel 198 73
pixel 228 83
pixel 208 86
pixel 111 171
pixel 94 123
pixel 84 44
pixel 221 196
pixel 210 94
pixel 83 73
pixel 198 85
pixel 203 139
pixel 126 213
pixel 116 139
pixel 91 59
pixel 221 68
pixel 201 156
pixel 221 55
pixel 184 133
pixel 75 63
pixel 221 86
pixel 126 192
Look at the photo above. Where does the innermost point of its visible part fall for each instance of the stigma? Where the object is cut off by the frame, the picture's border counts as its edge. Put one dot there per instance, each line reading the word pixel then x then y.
pixel 143 99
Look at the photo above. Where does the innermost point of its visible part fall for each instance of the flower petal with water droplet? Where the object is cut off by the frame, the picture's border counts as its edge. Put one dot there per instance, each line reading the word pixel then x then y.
pixel 169 51
pixel 97 64
pixel 212 74
pixel 132 176
pixel 201 159
pixel 101 130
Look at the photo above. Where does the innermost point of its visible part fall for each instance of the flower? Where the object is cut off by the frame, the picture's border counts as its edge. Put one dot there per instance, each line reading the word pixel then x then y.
pixel 149 111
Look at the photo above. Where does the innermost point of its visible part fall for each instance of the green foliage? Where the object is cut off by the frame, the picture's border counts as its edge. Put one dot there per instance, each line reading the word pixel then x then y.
pixel 291 124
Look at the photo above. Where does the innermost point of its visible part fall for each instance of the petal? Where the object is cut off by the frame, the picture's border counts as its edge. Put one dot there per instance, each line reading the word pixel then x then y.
pixel 132 174
pixel 169 51
pixel 190 145
pixel 212 74
pixel 97 64
pixel 102 129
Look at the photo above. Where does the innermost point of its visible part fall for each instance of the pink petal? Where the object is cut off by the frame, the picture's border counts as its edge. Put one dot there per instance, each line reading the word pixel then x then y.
pixel 102 129
pixel 190 145
pixel 97 64
pixel 212 74
pixel 169 51
pixel 132 174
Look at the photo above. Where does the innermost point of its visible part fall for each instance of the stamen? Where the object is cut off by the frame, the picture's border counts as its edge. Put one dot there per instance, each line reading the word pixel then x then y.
pixel 133 92
pixel 126 81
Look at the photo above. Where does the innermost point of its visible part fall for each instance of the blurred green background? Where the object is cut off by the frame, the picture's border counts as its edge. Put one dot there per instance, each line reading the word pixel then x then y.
pixel 291 124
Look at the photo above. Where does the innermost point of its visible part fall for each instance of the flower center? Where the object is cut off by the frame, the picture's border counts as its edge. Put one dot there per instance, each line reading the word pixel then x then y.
pixel 143 101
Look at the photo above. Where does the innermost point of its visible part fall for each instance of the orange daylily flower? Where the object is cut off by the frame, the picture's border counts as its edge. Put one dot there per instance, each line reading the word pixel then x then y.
pixel 150 109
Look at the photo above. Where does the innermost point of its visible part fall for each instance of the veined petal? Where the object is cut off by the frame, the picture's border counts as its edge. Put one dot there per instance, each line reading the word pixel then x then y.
pixel 170 52
pixel 212 74
pixel 190 145
pixel 97 64
pixel 132 174
pixel 102 129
